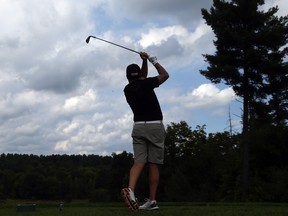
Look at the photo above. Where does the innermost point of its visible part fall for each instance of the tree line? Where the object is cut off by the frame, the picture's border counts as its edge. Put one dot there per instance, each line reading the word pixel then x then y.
pixel 198 167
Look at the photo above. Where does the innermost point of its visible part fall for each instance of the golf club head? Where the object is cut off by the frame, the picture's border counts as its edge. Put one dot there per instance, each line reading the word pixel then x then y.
pixel 88 39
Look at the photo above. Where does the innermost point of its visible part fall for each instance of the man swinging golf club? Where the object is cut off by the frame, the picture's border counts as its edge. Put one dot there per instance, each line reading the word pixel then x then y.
pixel 148 131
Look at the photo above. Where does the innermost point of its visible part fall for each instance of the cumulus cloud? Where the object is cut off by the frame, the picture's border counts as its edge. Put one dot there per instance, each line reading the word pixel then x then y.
pixel 156 36
pixel 206 96
pixel 83 136
pixel 82 103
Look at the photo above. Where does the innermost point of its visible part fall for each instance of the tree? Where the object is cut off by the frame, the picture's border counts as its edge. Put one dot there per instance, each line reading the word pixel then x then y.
pixel 250 54
pixel 178 140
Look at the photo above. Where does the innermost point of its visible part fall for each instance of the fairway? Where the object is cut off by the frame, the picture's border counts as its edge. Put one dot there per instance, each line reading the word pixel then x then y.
pixel 167 209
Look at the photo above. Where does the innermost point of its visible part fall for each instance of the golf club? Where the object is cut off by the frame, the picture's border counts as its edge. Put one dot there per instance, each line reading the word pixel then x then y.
pixel 88 39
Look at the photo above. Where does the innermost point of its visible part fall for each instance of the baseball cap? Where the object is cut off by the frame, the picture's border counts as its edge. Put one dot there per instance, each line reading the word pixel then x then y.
pixel 133 71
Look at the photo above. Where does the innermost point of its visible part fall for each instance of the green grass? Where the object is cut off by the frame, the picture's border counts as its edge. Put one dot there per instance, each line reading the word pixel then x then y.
pixel 167 209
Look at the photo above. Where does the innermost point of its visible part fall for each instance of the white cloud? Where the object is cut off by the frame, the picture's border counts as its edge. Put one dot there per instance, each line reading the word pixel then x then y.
pixel 83 135
pixel 82 103
pixel 71 127
pixel 62 146
pixel 156 36
pixel 206 96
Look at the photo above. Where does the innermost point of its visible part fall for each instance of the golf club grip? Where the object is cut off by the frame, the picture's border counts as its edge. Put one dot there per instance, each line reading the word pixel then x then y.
pixel 113 44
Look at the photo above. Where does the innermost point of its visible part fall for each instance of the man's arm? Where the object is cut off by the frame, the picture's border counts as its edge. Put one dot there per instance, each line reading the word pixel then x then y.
pixel 163 74
pixel 144 69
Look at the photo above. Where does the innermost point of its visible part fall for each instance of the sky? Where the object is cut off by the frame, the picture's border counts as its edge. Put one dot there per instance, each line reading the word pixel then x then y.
pixel 59 95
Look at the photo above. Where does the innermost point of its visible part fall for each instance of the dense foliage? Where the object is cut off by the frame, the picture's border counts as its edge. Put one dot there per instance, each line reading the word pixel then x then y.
pixel 198 167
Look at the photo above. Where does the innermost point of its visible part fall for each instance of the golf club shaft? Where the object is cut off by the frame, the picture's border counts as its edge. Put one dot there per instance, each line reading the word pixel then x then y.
pixel 88 39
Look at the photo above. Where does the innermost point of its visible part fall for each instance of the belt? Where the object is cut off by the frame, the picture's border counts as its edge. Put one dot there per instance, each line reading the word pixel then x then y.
pixel 148 122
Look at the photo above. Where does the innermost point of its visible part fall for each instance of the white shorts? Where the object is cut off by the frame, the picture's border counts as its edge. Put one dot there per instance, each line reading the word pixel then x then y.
pixel 148 142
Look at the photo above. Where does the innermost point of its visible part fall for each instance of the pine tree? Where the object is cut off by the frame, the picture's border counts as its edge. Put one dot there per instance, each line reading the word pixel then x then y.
pixel 250 57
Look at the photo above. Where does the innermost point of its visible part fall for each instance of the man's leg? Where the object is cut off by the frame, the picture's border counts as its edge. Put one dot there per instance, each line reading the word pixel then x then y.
pixel 155 156
pixel 128 193
pixel 153 180
pixel 135 172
